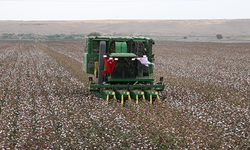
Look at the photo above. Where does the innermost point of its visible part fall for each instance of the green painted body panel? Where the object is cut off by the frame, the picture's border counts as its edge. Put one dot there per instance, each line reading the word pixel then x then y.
pixel 124 93
pixel 127 90
pixel 135 93
pixel 89 62
pixel 131 79
pixel 114 87
pixel 124 47
pixel 121 47
pixel 108 92
pixel 92 47
pixel 150 92
pixel 118 47
pixel 122 55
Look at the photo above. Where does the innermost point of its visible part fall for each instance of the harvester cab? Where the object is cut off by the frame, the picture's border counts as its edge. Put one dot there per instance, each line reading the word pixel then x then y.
pixel 123 66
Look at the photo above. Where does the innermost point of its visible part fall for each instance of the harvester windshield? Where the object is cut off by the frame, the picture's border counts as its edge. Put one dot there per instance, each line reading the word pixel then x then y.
pixel 125 68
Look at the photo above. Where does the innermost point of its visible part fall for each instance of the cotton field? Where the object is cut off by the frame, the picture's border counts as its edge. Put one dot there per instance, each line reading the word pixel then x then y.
pixel 45 102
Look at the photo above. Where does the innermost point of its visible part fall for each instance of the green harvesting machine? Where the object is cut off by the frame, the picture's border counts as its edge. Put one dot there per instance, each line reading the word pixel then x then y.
pixel 123 66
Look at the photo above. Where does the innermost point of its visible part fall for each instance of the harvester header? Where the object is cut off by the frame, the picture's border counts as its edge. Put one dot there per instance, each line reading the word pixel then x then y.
pixel 123 66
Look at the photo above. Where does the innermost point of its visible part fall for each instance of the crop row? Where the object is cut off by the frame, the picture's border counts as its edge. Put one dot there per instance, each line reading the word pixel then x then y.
pixel 195 97
pixel 45 105
pixel 209 81
pixel 73 50
pixel 221 67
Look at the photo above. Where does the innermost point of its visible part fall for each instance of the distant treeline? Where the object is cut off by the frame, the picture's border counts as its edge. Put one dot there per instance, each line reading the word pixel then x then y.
pixel 38 36
pixel 57 36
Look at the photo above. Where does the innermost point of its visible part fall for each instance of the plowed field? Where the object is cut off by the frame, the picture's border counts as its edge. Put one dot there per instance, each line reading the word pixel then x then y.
pixel 45 103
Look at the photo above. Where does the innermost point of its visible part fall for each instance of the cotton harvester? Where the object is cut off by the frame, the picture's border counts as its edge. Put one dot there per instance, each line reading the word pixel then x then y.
pixel 123 66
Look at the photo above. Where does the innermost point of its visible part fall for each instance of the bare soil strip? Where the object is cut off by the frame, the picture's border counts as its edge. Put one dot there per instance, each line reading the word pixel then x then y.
pixel 72 65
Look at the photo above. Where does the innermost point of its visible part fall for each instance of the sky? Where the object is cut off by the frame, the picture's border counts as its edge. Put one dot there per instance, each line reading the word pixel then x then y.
pixel 123 9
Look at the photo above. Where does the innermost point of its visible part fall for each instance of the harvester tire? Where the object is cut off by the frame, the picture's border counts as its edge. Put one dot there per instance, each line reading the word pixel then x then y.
pixel 102 51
